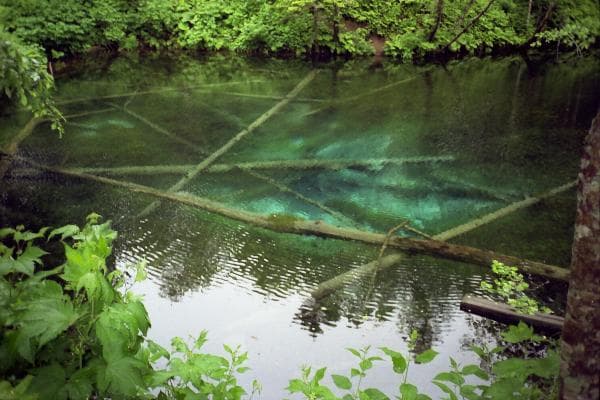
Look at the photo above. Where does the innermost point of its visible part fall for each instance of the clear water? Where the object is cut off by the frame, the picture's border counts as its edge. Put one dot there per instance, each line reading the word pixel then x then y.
pixel 511 130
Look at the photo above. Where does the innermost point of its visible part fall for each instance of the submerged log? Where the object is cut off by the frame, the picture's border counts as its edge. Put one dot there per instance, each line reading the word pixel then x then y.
pixel 11 148
pixel 486 219
pixel 359 96
pixel 150 91
pixel 330 286
pixel 319 228
pixel 330 164
pixel 257 175
pixel 545 323
pixel 192 173
pixel 337 282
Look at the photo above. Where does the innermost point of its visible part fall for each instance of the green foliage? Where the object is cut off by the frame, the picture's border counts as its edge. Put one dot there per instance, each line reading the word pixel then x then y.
pixel 75 331
pixel 23 77
pixel 411 28
pixel 511 287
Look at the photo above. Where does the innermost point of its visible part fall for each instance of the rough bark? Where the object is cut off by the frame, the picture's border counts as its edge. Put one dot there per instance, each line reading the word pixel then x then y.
pixel 580 344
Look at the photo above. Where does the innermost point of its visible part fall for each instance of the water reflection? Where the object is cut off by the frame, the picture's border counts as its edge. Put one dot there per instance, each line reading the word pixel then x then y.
pixel 503 129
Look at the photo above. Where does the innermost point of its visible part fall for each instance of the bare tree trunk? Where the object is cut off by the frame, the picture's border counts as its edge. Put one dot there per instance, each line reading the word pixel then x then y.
pixel 580 343
pixel 438 21
pixel 469 25
pixel 529 7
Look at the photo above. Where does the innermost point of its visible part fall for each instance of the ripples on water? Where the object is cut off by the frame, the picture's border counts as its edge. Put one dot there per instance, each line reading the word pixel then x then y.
pixel 509 132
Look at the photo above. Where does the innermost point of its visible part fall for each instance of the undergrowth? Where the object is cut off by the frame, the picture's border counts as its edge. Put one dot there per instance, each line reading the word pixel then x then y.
pixel 73 329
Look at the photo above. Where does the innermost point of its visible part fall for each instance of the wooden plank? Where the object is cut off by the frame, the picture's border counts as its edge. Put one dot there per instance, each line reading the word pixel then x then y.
pixel 500 312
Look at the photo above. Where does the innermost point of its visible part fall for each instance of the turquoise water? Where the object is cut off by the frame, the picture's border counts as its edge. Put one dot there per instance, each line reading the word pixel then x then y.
pixel 495 131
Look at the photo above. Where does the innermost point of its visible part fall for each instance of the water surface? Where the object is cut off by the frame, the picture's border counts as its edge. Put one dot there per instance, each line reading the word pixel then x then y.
pixel 501 130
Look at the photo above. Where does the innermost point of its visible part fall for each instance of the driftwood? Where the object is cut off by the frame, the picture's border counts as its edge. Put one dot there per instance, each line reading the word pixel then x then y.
pixel 549 324
pixel 486 219
pixel 319 228
pixel 192 173
pixel 304 164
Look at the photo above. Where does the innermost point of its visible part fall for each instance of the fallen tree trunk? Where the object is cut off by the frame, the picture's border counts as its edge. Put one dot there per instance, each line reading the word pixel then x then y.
pixel 330 286
pixel 257 175
pixel 192 173
pixel 359 96
pixel 486 219
pixel 327 287
pixel 150 91
pixel 545 323
pixel 331 164
pixel 11 148
pixel 319 228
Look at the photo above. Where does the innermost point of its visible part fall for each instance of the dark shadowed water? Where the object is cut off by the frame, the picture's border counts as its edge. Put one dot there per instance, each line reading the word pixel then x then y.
pixel 485 133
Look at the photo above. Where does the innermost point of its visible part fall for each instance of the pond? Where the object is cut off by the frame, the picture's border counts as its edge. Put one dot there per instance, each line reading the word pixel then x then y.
pixel 352 144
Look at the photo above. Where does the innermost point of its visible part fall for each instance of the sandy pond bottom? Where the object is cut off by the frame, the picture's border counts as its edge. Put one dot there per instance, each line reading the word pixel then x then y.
pixel 495 131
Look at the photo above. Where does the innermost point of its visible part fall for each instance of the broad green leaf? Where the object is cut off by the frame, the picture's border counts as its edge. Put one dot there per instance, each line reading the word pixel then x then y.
pixel 7 264
pixel 119 329
pixel 355 372
pixel 376 394
pixel 365 364
pixel 25 263
pixel 519 333
pixel 18 392
pixel 123 377
pixel 45 316
pixel 342 382
pixel 426 356
pixel 469 392
pixel 354 351
pixel 297 386
pixel 29 236
pixel 452 377
pixel 446 390
pixel 475 370
pixel 398 360
pixel 80 384
pixel 64 232
pixel 4 232
pixel 48 382
pixel 319 375
pixel 157 351
pixel 408 391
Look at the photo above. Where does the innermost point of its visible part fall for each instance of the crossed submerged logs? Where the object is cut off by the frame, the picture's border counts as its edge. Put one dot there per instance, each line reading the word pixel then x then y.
pixel 290 224
pixel 324 289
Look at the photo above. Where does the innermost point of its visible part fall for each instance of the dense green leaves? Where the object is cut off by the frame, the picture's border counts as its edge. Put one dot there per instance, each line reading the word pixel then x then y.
pixel 23 77
pixel 410 28
pixel 75 335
